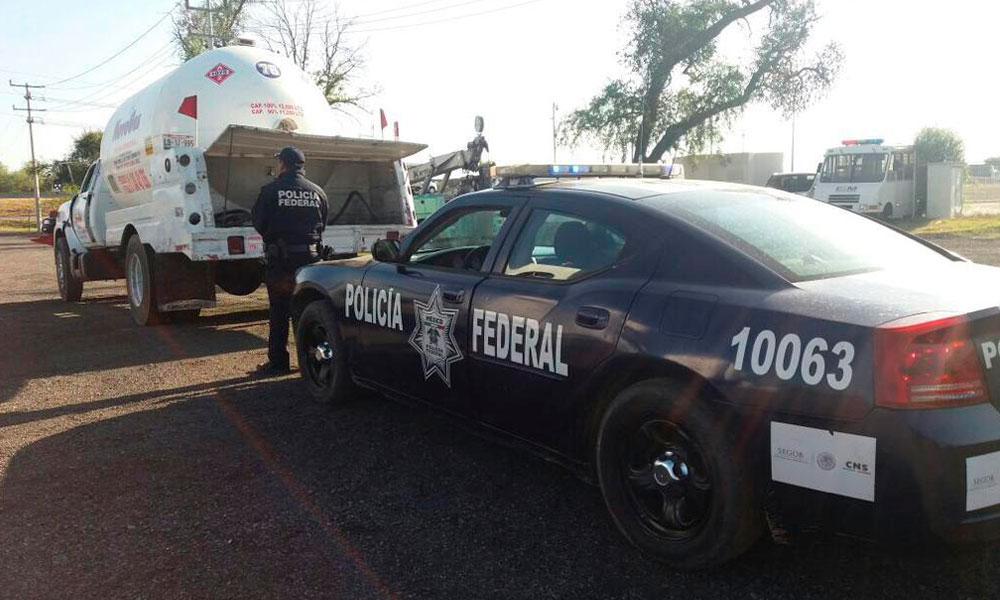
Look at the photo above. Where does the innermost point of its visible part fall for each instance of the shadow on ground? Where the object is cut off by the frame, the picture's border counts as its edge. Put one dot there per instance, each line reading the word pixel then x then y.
pixel 51 337
pixel 252 491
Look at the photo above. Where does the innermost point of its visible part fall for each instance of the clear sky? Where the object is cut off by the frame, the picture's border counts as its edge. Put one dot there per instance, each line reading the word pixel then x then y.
pixel 441 62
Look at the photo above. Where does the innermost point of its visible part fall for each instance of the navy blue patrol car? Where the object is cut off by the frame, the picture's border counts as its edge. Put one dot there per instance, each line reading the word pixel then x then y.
pixel 718 357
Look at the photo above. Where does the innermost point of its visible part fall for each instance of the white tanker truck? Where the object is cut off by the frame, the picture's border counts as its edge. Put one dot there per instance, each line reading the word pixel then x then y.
pixel 167 206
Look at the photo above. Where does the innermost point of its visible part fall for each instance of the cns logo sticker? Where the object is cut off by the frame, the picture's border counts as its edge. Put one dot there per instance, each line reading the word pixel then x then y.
pixel 268 69
pixel 434 337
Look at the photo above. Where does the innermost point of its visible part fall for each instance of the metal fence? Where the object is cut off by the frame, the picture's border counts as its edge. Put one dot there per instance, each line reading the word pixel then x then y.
pixel 981 189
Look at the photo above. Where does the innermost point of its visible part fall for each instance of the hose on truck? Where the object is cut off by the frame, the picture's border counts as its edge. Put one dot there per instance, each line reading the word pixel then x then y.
pixel 355 194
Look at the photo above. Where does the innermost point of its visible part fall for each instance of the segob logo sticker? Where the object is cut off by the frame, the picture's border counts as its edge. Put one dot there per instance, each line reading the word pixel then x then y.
pixel 434 337
pixel 826 461
pixel 219 73
pixel 268 69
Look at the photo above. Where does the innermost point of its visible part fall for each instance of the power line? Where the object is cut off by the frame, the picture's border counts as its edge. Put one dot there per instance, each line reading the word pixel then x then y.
pixel 104 94
pixel 446 20
pixel 120 52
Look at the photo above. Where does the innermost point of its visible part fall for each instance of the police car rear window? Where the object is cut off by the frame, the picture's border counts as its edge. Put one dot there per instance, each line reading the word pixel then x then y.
pixel 798 237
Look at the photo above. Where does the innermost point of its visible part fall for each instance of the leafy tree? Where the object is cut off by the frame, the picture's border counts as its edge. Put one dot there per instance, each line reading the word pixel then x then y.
pixel 228 19
pixel 993 161
pixel 86 147
pixel 678 86
pixel 934 144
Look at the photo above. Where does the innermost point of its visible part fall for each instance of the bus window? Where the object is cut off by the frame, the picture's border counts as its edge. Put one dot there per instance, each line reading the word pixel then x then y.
pixel 836 169
pixel 869 168
pixel 902 166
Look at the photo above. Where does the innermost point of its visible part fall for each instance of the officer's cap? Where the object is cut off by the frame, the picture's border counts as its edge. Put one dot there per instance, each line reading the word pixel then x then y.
pixel 290 155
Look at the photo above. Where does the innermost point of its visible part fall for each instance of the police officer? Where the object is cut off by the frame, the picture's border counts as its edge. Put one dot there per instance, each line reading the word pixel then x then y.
pixel 290 214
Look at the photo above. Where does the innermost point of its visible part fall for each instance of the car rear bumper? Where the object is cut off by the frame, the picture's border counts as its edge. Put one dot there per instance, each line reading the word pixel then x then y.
pixel 935 476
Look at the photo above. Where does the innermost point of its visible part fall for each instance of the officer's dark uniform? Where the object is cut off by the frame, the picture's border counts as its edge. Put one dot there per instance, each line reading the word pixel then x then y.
pixel 290 214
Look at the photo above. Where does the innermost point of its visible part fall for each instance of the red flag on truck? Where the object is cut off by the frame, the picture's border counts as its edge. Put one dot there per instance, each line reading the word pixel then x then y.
pixel 385 122
pixel 189 107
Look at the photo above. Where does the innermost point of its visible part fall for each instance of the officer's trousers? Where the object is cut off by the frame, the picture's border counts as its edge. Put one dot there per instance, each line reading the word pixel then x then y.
pixel 280 280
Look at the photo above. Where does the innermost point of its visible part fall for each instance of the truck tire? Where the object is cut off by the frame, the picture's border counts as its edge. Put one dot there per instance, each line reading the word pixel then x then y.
pixel 139 283
pixel 676 482
pixel 70 288
pixel 322 356
pixel 239 277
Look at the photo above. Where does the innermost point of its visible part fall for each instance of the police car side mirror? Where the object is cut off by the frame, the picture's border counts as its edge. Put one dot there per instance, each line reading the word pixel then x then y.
pixel 386 251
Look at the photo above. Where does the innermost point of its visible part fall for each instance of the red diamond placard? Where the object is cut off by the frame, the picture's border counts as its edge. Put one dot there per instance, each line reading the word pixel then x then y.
pixel 219 73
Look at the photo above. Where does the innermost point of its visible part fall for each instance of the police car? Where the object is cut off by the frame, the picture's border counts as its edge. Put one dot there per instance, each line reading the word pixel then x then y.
pixel 720 358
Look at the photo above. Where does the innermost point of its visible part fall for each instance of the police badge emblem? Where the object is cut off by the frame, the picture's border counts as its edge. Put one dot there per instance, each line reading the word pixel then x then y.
pixel 434 337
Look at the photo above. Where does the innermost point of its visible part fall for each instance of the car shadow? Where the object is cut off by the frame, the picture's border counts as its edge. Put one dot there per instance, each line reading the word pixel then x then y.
pixel 45 338
pixel 251 490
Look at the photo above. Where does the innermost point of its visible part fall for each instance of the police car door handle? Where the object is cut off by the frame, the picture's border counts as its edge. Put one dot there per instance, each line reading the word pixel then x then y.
pixel 592 317
pixel 453 296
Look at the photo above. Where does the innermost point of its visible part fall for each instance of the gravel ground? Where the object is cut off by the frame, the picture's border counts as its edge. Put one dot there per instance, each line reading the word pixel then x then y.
pixel 142 463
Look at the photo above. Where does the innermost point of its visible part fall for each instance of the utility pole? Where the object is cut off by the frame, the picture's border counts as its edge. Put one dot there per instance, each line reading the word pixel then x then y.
pixel 793 142
pixel 554 108
pixel 208 10
pixel 31 139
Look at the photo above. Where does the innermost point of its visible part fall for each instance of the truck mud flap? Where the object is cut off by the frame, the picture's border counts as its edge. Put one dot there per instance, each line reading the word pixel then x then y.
pixel 182 284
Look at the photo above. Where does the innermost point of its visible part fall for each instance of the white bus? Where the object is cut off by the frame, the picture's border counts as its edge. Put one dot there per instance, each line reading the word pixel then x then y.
pixel 867 177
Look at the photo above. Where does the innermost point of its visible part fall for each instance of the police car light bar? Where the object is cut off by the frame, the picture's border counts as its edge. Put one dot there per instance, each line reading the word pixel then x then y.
pixel 868 142
pixel 572 171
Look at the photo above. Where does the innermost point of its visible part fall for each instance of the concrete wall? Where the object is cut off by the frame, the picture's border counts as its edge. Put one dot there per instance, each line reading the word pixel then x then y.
pixel 745 167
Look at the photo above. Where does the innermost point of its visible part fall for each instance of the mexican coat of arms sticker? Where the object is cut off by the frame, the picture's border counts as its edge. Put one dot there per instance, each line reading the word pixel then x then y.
pixel 434 337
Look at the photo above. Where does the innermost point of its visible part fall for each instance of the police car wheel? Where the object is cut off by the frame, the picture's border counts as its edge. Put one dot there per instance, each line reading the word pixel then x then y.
pixel 674 481
pixel 322 359
pixel 70 288
pixel 139 283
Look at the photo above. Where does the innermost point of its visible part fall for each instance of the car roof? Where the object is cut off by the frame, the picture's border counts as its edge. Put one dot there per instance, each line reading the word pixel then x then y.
pixel 637 189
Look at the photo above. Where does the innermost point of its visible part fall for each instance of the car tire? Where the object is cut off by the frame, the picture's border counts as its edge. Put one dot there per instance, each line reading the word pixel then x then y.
pixel 674 478
pixel 139 283
pixel 70 288
pixel 887 212
pixel 322 355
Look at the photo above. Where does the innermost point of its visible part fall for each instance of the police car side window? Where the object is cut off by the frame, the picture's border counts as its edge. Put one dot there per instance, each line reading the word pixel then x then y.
pixel 464 242
pixel 562 247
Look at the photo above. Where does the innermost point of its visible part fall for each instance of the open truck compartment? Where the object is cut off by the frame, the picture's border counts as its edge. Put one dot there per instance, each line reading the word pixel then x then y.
pixel 363 179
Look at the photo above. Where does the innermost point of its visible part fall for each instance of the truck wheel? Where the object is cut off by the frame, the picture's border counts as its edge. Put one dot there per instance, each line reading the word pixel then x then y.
pixel 675 482
pixel 139 280
pixel 887 212
pixel 70 288
pixel 322 359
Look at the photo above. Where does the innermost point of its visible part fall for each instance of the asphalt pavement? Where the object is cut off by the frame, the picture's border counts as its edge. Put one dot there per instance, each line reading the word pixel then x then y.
pixel 144 463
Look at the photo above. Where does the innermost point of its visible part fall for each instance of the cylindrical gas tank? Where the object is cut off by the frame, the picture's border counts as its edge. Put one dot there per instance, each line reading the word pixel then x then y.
pixel 194 104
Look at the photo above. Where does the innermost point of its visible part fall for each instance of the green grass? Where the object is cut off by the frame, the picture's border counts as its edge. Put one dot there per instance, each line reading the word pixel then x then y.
pixel 986 226
pixel 18 214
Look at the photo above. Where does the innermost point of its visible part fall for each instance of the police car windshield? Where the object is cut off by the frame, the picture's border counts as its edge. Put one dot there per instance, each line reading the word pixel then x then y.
pixel 799 238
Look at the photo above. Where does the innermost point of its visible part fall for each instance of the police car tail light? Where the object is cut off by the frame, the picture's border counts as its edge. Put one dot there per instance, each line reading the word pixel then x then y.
pixel 927 363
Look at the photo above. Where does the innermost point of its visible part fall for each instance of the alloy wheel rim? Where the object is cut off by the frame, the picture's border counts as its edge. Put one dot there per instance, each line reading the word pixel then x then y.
pixel 135 280
pixel 61 269
pixel 667 479
pixel 320 356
